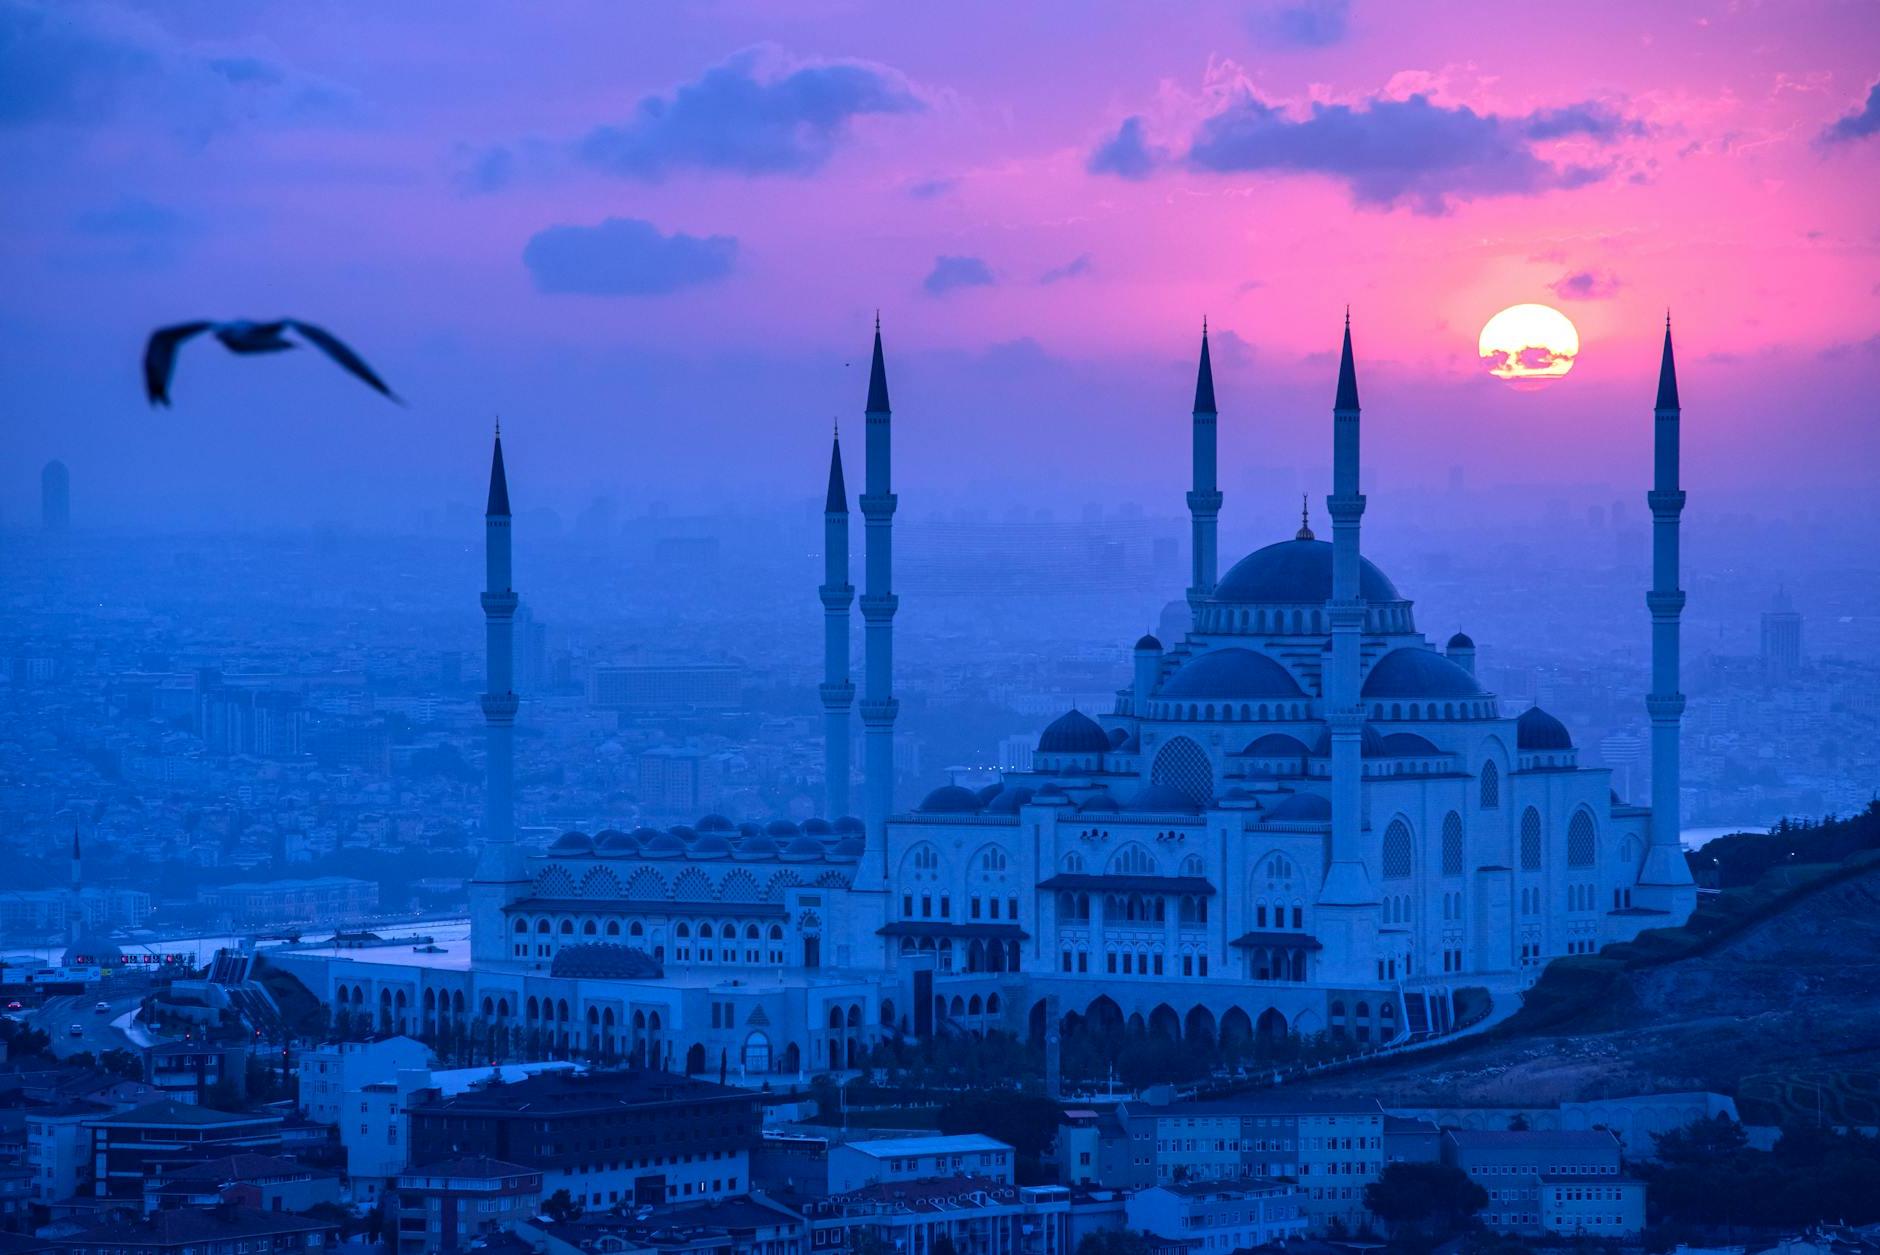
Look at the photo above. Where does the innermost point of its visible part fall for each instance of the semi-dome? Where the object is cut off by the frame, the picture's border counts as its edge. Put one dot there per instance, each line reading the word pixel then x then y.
pixel 1074 732
pixel 617 843
pixel 1010 798
pixel 1408 745
pixel 1233 673
pixel 1301 808
pixel 1098 803
pixel 782 828
pixel 803 848
pixel 847 849
pixel 1418 672
pixel 709 845
pixel 572 843
pixel 663 845
pixel 989 792
pixel 818 827
pixel 685 832
pixel 1119 737
pixel 949 799
pixel 1161 799
pixel 643 835
pixel 1461 641
pixel 1538 730
pixel 1372 744
pixel 715 823
pixel 1296 572
pixel 605 960
pixel 1275 745
pixel 750 828
pixel 850 824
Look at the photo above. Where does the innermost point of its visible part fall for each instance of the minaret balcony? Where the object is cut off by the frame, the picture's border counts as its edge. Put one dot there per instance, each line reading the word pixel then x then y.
pixel 500 605
pixel 1666 504
pixel 879 607
pixel 837 696
pixel 880 714
pixel 1667 604
pixel 499 707
pixel 837 596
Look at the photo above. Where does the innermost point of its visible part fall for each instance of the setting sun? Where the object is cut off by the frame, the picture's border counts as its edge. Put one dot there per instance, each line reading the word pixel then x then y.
pixel 1529 345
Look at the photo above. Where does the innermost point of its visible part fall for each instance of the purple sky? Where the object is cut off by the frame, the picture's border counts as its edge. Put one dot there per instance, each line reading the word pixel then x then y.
pixel 653 237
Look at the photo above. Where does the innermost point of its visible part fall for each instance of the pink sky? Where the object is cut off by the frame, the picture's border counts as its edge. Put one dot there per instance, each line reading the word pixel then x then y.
pixel 1420 162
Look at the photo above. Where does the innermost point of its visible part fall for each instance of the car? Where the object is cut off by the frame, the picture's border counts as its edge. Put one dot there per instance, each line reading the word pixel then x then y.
pixel 77 1030
pixel 16 1005
pixel 102 1008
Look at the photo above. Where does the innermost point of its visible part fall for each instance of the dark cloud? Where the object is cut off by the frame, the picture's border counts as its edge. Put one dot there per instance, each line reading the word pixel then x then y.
pixel 949 273
pixel 625 257
pixel 1589 118
pixel 1392 152
pixel 1585 285
pixel 1126 154
pixel 1078 265
pixel 130 233
pixel 754 113
pixel 1861 123
pixel 486 169
pixel 1303 23
pixel 931 189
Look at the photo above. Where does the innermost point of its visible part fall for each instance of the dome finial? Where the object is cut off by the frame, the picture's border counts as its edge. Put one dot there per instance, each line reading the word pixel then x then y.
pixel 1305 525
pixel 499 426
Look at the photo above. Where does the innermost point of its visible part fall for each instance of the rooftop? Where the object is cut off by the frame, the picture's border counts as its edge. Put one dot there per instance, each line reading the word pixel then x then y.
pixel 955 1144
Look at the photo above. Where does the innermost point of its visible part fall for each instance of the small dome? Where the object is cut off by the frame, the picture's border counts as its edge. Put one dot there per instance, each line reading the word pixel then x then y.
pixel 1149 643
pixel 818 827
pixel 1074 732
pixel 715 823
pixel 1538 730
pixel 750 829
pixel 709 845
pixel 989 792
pixel 1276 745
pixel 1009 800
pixel 1418 672
pixel 1098 804
pixel 847 849
pixel 605 960
pixel 757 845
pixel 1408 745
pixel 572 843
pixel 1233 673
pixel 1296 572
pixel 949 799
pixel 1301 808
pixel 1160 799
pixel 803 848
pixel 1118 737
pixel 662 845
pixel 782 828
pixel 850 824
pixel 619 844
pixel 1460 641
pixel 685 832
pixel 1372 744
pixel 643 835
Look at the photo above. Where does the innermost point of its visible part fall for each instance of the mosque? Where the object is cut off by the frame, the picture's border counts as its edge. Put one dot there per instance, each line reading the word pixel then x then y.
pixel 1300 817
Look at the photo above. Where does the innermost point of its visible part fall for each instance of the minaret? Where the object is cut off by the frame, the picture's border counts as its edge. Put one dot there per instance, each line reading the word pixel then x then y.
pixel 1204 499
pixel 878 605
pixel 838 596
pixel 1346 899
pixel 75 896
pixel 499 875
pixel 1665 879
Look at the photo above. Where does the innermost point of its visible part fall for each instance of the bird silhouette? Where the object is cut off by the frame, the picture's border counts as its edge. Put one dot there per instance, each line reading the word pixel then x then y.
pixel 244 336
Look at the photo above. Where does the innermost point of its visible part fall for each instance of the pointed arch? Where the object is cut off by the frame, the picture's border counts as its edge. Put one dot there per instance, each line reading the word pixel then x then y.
pixel 738 886
pixel 1452 844
pixel 780 884
pixel 693 885
pixel 1582 839
pixel 1490 785
pixel 600 882
pixel 647 885
pixel 554 883
pixel 1530 840
pixel 1184 766
pixel 1133 859
pixel 1399 850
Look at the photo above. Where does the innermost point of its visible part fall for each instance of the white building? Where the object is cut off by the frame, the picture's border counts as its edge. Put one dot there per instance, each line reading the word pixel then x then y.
pixel 855 1164
pixel 1219 1216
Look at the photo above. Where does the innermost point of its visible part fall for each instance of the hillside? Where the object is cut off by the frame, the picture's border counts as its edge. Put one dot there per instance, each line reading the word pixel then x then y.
pixel 1777 1001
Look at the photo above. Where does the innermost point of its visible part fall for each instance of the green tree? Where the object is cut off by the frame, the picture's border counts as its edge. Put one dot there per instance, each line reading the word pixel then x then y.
pixel 122 1063
pixel 1432 1198
pixel 1026 1122
pixel 561 1208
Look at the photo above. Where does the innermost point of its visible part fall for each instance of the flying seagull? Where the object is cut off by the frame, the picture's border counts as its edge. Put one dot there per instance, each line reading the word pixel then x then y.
pixel 243 336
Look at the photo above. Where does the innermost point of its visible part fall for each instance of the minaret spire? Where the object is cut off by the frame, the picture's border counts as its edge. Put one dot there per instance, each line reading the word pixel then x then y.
pixel 1666 877
pixel 1204 497
pixel 1346 899
pixel 878 706
pixel 838 597
pixel 498 877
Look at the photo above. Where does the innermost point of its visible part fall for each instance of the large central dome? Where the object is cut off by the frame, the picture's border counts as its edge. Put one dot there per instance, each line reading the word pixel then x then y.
pixel 1296 572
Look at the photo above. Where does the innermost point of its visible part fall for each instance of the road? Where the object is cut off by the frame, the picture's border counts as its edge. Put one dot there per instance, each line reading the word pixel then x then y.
pixel 56 1018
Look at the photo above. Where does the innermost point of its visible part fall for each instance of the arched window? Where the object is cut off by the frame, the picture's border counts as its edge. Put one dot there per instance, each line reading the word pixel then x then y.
pixel 1073 862
pixel 1399 854
pixel 1452 844
pixel 1491 786
pixel 925 858
pixel 1530 840
pixel 1580 841
pixel 993 860
pixel 1183 766
pixel 1132 860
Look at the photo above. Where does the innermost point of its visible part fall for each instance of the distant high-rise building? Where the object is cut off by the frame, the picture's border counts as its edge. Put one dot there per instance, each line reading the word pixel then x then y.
pixel 673 686
pixel 1781 638
pixel 55 496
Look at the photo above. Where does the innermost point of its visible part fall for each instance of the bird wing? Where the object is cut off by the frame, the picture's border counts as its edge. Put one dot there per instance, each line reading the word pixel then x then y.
pixel 334 348
pixel 160 358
